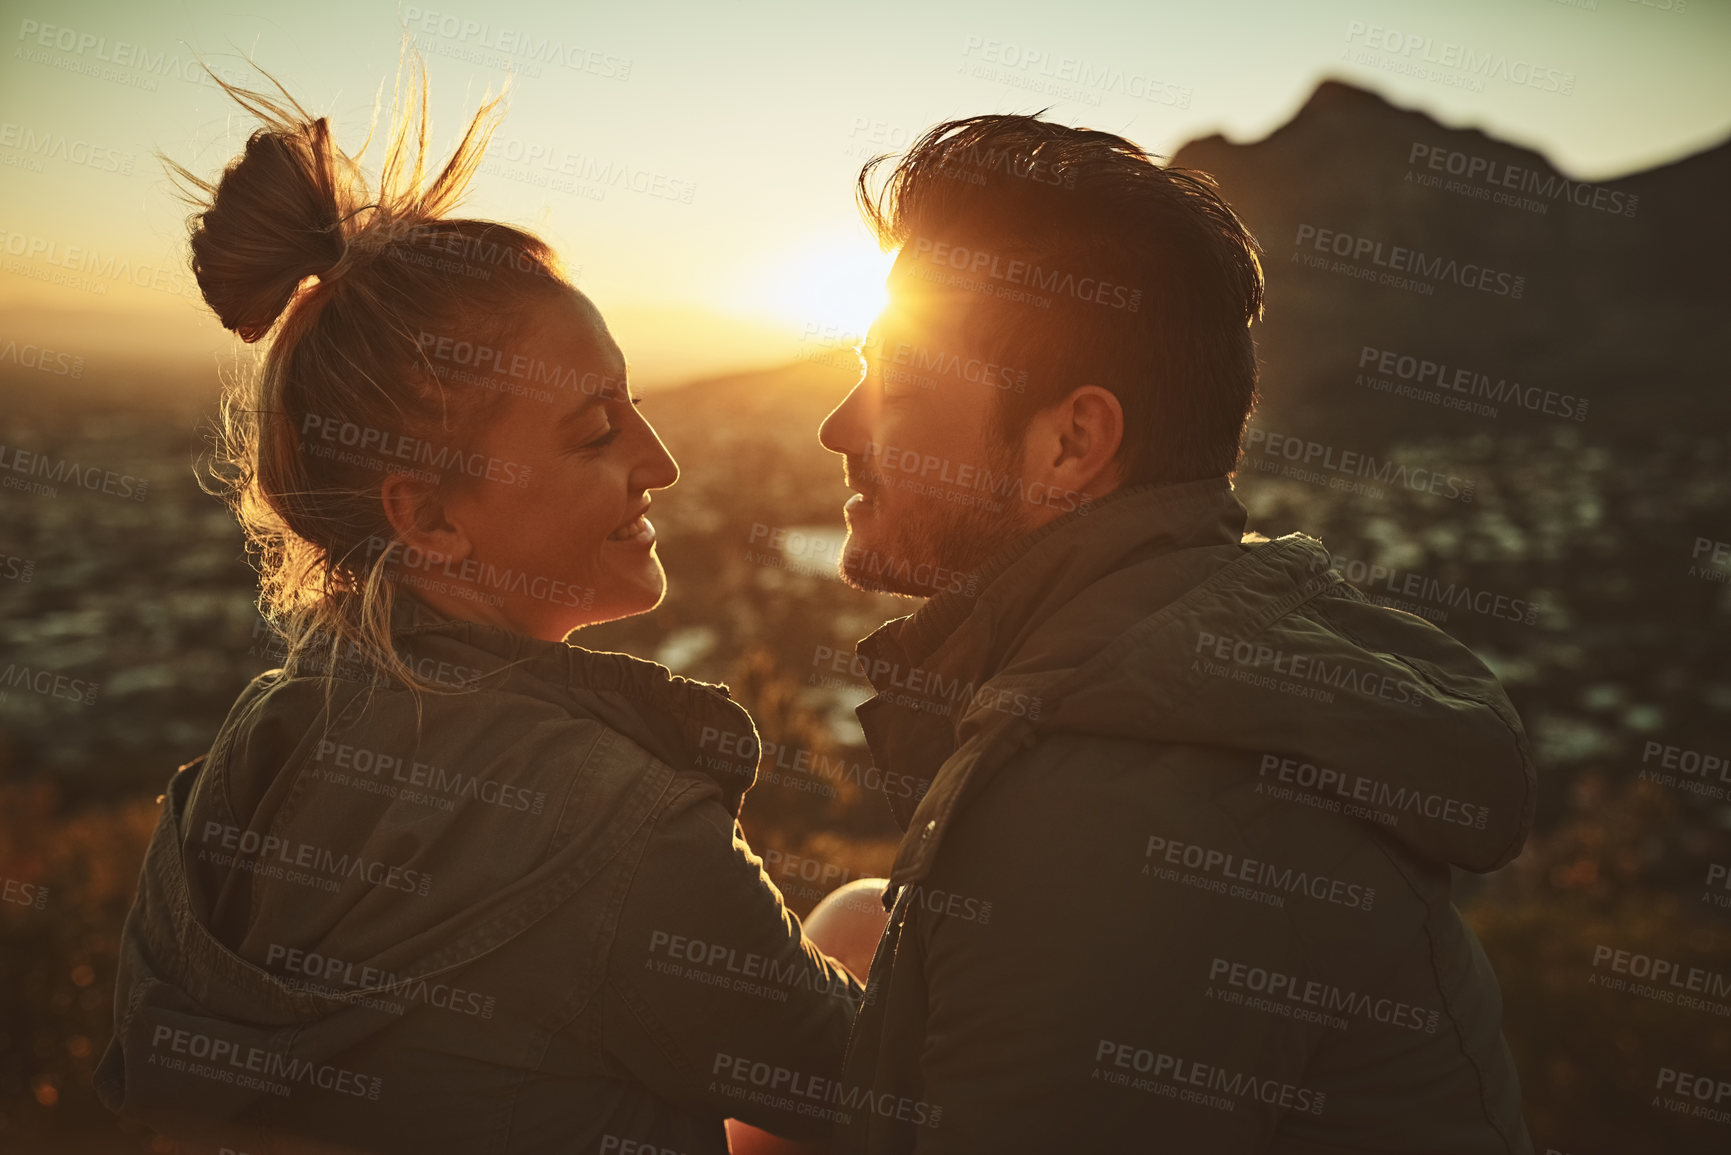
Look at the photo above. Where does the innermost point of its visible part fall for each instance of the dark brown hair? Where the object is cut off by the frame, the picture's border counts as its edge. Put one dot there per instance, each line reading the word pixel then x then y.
pixel 345 285
pixel 1170 340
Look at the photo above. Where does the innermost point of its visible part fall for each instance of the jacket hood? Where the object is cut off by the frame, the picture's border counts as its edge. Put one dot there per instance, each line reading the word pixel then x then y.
pixel 254 791
pixel 1151 616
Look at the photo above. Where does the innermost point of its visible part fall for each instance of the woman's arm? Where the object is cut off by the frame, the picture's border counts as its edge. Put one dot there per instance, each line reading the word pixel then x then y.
pixel 846 925
pixel 714 998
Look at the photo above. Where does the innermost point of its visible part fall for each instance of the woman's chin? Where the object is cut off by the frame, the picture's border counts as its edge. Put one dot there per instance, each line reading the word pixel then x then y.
pixel 632 596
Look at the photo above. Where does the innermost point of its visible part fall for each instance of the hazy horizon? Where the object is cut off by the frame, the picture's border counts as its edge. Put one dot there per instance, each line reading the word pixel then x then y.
pixel 743 134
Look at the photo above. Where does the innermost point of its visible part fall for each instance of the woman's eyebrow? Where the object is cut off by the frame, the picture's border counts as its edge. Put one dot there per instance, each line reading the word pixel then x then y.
pixel 569 423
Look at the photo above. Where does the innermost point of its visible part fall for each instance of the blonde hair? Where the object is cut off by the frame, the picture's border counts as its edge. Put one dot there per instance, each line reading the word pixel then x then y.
pixel 346 285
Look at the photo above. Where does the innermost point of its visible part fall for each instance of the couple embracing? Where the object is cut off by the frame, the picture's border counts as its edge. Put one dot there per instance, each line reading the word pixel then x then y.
pixel 448 881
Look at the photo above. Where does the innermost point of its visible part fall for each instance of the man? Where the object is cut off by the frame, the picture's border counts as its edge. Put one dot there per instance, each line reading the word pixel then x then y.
pixel 1181 881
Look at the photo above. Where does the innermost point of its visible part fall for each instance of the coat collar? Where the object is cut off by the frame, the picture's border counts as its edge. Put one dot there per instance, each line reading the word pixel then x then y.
pixel 934 716
pixel 688 724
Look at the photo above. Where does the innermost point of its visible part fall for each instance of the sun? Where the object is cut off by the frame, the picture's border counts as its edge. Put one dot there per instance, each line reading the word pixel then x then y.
pixel 830 287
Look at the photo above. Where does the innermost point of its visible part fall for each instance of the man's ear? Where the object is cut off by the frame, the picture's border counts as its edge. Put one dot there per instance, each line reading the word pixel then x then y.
pixel 412 505
pixel 1088 429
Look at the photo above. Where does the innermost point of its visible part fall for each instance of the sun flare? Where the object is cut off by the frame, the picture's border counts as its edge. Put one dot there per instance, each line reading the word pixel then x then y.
pixel 828 288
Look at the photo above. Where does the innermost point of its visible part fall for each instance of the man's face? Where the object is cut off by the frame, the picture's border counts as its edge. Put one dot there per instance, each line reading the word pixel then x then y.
pixel 937 496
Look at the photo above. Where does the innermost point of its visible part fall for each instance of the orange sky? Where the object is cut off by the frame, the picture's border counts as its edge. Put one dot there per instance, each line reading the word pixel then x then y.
pixel 694 163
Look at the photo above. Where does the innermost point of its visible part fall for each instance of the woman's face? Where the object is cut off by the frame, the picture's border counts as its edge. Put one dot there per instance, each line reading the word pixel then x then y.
pixel 549 516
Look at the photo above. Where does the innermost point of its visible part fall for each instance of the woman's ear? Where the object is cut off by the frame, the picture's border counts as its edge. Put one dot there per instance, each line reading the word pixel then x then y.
pixel 419 518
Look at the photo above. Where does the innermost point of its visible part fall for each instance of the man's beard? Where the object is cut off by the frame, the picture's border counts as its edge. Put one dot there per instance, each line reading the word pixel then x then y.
pixel 951 539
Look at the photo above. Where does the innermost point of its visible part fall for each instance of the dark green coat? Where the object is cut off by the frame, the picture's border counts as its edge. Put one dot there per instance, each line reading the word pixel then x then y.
pixel 530 923
pixel 1182 879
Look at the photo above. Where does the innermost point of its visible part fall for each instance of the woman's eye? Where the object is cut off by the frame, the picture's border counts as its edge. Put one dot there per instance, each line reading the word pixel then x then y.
pixel 606 438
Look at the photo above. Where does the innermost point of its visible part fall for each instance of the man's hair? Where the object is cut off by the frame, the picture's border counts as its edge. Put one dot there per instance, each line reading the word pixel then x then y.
pixel 1093 264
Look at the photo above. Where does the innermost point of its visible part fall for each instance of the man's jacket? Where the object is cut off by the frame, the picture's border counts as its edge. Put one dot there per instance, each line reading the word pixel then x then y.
pixel 1181 881
pixel 526 921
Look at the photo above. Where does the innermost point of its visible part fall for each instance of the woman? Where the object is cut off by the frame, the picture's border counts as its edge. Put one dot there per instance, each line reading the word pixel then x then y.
pixel 445 882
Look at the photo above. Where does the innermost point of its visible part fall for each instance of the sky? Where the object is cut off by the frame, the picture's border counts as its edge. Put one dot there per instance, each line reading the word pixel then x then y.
pixel 693 163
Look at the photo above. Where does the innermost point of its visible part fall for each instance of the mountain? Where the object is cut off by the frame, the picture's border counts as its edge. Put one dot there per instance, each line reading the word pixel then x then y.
pixel 1515 274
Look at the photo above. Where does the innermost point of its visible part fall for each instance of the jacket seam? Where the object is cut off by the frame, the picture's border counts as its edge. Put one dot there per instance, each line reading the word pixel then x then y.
pixel 664 1043
pixel 1479 1075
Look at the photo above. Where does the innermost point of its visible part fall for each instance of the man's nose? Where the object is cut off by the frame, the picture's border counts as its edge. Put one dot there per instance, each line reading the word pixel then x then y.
pixel 843 431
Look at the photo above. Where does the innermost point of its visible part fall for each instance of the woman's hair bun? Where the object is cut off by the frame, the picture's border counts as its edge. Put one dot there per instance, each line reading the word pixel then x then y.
pixel 273 218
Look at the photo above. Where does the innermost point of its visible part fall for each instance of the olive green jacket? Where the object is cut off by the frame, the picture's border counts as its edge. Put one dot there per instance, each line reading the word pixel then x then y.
pixel 526 922
pixel 1181 882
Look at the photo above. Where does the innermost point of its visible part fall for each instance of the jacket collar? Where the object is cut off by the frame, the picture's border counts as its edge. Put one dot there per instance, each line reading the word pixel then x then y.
pixel 930 666
pixel 687 724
